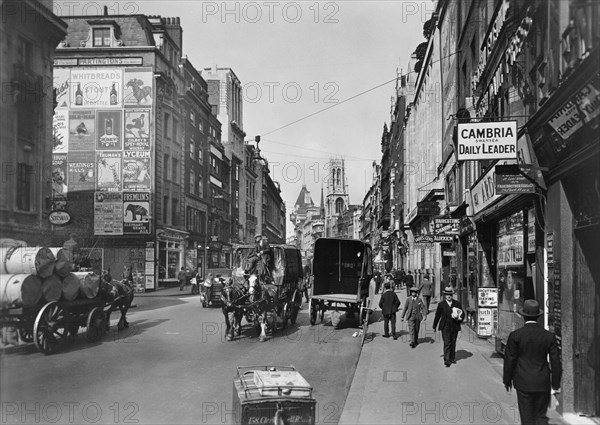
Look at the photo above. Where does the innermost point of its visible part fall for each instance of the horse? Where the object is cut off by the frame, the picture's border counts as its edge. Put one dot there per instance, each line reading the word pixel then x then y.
pixel 120 296
pixel 140 92
pixel 233 296
pixel 263 300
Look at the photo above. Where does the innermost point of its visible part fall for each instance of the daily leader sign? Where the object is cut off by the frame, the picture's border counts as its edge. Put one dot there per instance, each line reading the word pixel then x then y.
pixel 487 140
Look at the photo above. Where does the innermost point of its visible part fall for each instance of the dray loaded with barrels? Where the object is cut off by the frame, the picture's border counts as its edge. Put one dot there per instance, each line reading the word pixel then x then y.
pixel 42 300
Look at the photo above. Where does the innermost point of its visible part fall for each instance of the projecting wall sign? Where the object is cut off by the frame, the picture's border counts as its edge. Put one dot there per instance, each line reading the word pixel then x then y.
pixel 487 140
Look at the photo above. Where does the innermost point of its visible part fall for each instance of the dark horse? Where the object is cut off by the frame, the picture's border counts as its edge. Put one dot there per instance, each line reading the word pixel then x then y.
pixel 263 300
pixel 234 295
pixel 119 295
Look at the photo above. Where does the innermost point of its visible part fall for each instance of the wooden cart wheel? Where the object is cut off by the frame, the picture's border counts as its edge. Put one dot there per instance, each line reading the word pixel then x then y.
pixel 26 332
pixel 285 314
pixel 73 328
pixel 95 325
pixel 50 328
pixel 313 308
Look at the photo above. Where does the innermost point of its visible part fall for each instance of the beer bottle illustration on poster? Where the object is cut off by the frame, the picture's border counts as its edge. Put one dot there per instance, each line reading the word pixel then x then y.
pixel 109 130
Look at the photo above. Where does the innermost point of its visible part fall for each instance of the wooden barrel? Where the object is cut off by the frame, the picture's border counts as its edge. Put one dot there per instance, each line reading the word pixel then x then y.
pixel 89 284
pixel 27 260
pixel 52 288
pixel 63 264
pixel 19 290
pixel 70 287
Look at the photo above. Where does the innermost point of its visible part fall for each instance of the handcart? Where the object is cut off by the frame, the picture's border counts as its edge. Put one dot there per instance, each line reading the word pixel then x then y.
pixel 272 395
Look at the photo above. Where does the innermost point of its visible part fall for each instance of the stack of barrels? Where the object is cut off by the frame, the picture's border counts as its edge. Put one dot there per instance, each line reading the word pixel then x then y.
pixel 32 275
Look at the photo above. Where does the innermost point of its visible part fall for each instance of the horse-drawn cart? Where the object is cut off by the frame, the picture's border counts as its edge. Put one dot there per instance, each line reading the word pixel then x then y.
pixel 47 324
pixel 254 296
pixel 342 271
pixel 272 395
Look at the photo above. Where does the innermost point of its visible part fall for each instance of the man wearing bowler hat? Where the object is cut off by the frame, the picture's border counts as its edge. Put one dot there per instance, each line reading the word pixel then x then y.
pixel 449 315
pixel 526 365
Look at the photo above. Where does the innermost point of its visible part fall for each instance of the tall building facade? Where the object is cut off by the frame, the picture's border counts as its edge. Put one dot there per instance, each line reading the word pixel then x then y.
pixel 336 196
pixel 139 146
pixel 28 36
pixel 225 96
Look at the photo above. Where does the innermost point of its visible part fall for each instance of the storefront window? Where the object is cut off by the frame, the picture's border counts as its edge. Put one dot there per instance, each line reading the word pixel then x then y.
pixel 510 274
pixel 169 260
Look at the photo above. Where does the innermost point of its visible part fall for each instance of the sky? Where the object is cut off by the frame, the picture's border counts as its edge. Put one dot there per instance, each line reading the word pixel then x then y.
pixel 318 78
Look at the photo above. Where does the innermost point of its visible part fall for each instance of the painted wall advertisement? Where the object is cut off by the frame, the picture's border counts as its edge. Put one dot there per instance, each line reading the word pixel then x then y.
pixel 81 171
pixel 136 212
pixel 96 88
pixel 103 134
pixel 108 213
pixel 82 130
pixel 109 171
pixel 136 170
pixel 137 130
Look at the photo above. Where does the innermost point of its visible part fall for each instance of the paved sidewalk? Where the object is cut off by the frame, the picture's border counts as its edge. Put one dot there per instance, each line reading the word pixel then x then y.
pixel 396 384
pixel 167 292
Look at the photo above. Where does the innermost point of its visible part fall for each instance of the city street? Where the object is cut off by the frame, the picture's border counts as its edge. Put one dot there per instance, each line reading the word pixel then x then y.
pixel 172 366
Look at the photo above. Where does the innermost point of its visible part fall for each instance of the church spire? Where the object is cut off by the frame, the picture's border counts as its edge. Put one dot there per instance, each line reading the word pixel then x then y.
pixel 322 202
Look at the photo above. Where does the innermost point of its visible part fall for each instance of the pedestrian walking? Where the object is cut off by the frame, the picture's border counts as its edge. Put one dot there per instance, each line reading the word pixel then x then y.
pixel 415 312
pixel 306 281
pixel 410 282
pixel 182 277
pixel 378 281
pixel 526 365
pixel 389 305
pixel 449 315
pixel 208 283
pixel 196 283
pixel 426 290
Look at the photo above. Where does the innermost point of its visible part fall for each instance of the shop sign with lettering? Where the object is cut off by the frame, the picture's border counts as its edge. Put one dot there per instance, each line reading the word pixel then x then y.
pixel 485 321
pixel 446 226
pixel 487 297
pixel 510 179
pixel 487 140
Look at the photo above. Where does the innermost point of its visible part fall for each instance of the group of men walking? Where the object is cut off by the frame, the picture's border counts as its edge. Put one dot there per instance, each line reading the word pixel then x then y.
pixel 528 349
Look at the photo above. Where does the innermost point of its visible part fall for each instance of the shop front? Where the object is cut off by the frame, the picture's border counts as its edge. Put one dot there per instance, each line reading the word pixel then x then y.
pixel 566 139
pixel 170 255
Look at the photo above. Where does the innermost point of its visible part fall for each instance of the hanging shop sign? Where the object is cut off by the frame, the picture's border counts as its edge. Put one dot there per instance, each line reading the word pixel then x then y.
pixel 446 226
pixel 513 179
pixel 487 140
pixel 428 208
pixel 59 218
pixel 423 241
pixel 443 238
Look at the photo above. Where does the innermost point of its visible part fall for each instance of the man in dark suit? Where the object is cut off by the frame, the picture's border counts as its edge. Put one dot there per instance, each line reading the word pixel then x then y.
pixel 415 311
pixel 410 282
pixel 526 365
pixel 389 305
pixel 449 315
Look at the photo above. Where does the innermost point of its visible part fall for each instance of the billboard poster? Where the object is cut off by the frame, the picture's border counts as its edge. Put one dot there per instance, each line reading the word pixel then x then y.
pixel 136 170
pixel 136 212
pixel 81 171
pixel 487 297
pixel 108 213
pixel 60 131
pixel 138 84
pixel 96 88
pixel 82 130
pixel 61 83
pixel 485 321
pixel 137 130
pixel 108 176
pixel 59 177
pixel 109 127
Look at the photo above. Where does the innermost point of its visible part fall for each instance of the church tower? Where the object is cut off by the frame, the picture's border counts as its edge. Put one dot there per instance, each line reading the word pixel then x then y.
pixel 337 199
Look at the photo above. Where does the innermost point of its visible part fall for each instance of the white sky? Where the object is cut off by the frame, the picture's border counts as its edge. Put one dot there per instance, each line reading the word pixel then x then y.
pixel 295 59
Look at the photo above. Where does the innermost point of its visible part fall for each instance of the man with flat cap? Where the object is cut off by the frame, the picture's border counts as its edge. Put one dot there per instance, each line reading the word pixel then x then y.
pixel 449 315
pixel 414 311
pixel 526 365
